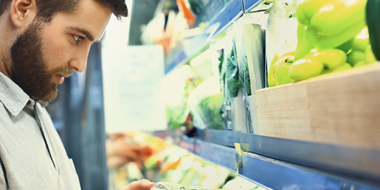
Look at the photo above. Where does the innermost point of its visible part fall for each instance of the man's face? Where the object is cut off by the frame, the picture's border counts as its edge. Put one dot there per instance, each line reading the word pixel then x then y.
pixel 46 53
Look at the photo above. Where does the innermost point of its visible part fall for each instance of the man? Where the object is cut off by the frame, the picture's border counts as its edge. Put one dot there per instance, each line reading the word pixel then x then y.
pixel 41 43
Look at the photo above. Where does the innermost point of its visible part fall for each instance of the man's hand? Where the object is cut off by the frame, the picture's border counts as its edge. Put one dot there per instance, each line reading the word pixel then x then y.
pixel 119 152
pixel 140 185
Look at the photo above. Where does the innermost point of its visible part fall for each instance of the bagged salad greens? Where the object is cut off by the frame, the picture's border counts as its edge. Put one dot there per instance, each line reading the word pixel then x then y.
pixel 206 103
pixel 177 88
pixel 232 74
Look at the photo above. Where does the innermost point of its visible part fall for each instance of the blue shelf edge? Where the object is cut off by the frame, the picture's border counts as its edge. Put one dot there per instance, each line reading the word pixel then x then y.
pixel 211 152
pixel 357 162
pixel 230 13
pixel 250 4
pixel 268 172
pixel 279 175
pixel 221 137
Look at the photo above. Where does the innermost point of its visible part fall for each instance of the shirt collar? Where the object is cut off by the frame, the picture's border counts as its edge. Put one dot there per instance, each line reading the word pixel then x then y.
pixel 12 96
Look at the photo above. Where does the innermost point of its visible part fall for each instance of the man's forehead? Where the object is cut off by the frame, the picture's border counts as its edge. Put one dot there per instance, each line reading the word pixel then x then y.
pixel 90 19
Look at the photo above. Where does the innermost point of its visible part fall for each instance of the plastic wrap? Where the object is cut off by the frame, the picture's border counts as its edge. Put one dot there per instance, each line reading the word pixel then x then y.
pixel 230 80
pixel 177 88
pixel 250 51
pixel 206 103
pixel 281 28
pixel 233 84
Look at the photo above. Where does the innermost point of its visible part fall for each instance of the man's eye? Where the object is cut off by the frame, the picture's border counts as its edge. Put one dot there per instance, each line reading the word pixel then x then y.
pixel 78 38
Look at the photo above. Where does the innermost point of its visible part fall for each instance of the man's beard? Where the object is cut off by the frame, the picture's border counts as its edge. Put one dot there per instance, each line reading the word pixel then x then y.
pixel 29 67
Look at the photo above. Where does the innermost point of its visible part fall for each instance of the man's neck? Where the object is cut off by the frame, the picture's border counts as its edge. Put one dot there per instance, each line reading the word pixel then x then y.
pixel 5 43
pixel 3 68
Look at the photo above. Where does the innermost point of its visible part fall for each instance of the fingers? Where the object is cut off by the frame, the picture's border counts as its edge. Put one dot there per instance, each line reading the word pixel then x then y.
pixel 132 152
pixel 140 185
pixel 115 162
pixel 120 148
pixel 146 152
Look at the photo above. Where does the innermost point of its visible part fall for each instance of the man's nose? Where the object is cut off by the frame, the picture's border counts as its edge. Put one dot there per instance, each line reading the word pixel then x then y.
pixel 79 62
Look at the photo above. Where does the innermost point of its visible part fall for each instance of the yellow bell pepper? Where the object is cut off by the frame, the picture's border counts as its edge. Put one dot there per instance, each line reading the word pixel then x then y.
pixel 305 68
pixel 285 51
pixel 330 23
pixel 342 68
pixel 330 58
pixel 355 56
pixel 281 70
pixel 303 45
pixel 361 41
pixel 315 62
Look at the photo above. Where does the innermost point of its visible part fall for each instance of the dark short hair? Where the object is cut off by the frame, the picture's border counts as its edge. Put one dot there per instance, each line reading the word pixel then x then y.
pixel 48 8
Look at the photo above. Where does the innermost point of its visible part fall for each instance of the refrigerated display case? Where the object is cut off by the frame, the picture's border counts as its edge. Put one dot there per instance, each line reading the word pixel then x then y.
pixel 316 134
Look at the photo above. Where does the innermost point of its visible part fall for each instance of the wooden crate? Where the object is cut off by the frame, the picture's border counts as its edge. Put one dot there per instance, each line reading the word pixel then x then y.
pixel 341 108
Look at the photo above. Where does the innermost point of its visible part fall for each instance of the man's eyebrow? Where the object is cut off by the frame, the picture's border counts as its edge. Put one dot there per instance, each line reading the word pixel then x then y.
pixel 84 32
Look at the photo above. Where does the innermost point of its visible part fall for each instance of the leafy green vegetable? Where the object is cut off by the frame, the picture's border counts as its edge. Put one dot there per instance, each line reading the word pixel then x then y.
pixel 244 76
pixel 220 66
pixel 232 75
pixel 210 111
pixel 176 117
pixel 222 74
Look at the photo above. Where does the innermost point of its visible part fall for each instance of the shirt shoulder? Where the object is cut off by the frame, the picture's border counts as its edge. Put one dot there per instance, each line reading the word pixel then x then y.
pixel 12 96
pixel 6 118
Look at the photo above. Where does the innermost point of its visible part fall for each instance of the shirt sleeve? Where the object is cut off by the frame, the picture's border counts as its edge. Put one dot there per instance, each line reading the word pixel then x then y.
pixel 3 183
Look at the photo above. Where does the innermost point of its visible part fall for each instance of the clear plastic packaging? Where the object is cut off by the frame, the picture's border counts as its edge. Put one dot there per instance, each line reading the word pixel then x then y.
pixel 173 186
pixel 206 103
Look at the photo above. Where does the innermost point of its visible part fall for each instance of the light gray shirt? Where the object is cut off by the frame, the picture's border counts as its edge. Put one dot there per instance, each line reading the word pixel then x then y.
pixel 32 155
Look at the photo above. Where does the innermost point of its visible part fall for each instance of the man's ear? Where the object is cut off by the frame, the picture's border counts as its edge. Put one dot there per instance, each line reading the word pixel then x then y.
pixel 23 12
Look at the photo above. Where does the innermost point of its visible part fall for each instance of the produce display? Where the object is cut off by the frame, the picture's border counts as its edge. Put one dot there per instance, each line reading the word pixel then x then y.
pixel 307 38
pixel 191 172
pixel 331 36
pixel 174 168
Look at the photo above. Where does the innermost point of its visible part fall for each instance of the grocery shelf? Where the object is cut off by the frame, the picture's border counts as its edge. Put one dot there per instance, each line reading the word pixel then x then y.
pixel 280 175
pixel 355 161
pixel 217 154
pixel 271 173
pixel 220 137
pixel 183 53
pixel 278 162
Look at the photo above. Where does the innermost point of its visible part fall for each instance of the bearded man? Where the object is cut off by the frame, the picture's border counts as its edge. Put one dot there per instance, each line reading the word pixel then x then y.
pixel 42 42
